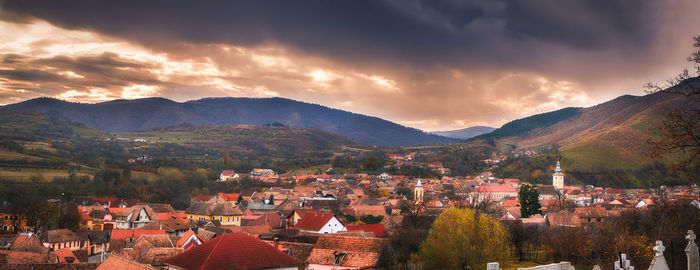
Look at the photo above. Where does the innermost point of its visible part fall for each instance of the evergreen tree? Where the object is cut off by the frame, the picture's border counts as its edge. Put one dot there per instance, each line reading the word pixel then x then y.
pixel 529 200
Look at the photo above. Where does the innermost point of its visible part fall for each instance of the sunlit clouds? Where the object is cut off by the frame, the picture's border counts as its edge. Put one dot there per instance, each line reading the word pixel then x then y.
pixel 419 64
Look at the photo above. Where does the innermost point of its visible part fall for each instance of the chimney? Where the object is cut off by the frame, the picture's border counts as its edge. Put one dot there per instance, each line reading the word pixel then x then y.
pixel 277 242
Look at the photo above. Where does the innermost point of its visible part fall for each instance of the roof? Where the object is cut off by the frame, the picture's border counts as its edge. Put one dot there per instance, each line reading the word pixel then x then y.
pixel 162 207
pixel 60 235
pixel 158 256
pixel 377 229
pixel 115 262
pixel 563 219
pixel 122 234
pixel 231 197
pixel 302 212
pixel 212 209
pixel 252 230
pixel 493 189
pixel 146 242
pixel 186 237
pixel 360 252
pixel 24 242
pixel 24 257
pixel 270 218
pixel 235 251
pixel 314 221
pixel 228 172
pixel 65 253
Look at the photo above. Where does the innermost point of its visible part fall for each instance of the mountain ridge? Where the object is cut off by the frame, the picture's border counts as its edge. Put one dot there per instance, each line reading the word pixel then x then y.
pixel 142 114
pixel 465 133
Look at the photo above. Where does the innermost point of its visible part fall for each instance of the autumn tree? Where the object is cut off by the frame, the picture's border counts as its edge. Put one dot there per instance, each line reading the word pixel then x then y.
pixel 463 239
pixel 529 200
pixel 680 131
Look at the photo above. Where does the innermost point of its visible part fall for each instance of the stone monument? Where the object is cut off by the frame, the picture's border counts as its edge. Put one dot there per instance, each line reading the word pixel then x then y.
pixel 691 251
pixel 659 262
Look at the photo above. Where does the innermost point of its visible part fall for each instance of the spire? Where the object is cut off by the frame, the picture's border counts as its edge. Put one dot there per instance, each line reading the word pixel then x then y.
pixel 558 169
pixel 419 184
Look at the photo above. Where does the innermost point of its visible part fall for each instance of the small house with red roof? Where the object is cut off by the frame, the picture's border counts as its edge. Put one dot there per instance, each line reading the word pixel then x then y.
pixel 233 251
pixel 189 240
pixel 320 223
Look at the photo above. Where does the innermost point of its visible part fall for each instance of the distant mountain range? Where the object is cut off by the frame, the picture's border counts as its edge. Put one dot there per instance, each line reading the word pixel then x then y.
pixel 465 133
pixel 149 113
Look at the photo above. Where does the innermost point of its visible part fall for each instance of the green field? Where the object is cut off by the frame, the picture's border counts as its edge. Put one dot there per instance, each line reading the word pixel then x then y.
pixel 43 174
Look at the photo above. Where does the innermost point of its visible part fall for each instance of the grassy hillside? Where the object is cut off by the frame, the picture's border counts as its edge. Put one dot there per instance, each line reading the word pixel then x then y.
pixel 604 144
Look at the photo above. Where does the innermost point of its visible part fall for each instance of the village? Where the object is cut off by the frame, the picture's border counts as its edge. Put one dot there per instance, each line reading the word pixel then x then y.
pixel 326 221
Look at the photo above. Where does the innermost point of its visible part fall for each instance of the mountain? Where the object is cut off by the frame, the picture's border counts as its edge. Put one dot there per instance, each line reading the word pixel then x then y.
pixel 465 133
pixel 148 113
pixel 606 144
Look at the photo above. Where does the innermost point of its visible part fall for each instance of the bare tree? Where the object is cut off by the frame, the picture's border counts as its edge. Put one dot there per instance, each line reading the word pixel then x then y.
pixel 681 129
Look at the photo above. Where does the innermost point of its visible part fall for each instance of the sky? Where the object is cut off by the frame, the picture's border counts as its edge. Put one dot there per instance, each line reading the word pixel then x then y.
pixel 428 64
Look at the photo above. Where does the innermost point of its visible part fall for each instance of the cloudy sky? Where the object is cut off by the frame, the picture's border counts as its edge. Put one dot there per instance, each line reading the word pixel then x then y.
pixel 429 64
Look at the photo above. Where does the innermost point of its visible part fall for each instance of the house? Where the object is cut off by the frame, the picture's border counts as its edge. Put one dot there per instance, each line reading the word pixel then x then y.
pixel 135 217
pixel 189 240
pixel 493 192
pixel 222 212
pixel 320 223
pixel 227 175
pixel 61 238
pixel 12 222
pixel 346 252
pixel 233 251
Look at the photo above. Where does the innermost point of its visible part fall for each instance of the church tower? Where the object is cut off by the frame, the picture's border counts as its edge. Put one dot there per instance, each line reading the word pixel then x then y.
pixel 558 177
pixel 418 192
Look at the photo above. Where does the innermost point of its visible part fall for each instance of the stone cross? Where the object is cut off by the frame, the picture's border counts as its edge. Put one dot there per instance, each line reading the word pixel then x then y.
pixel 691 251
pixel 624 263
pixel 659 262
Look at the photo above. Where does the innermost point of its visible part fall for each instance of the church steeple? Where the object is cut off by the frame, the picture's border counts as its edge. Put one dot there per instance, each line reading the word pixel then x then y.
pixel 558 177
pixel 418 192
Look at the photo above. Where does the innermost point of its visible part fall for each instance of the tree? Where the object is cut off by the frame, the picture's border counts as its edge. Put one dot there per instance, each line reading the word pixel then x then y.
pixel 272 199
pixel 680 131
pixel 463 239
pixel 529 200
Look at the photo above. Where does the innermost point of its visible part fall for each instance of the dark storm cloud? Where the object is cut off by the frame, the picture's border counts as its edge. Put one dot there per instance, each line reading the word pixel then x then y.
pixel 366 30
pixel 581 23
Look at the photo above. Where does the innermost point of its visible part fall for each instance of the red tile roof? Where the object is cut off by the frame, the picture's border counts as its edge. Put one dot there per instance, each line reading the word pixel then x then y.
pixel 494 189
pixel 231 197
pixel 64 253
pixel 233 251
pixel 314 221
pixel 377 229
pixel 115 262
pixel 122 234
pixel 186 237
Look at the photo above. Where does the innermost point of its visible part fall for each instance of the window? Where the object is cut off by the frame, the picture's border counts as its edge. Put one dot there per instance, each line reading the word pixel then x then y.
pixel 339 256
